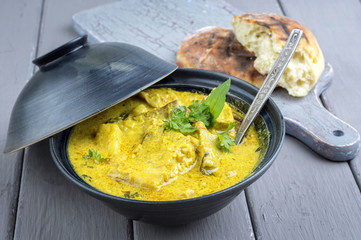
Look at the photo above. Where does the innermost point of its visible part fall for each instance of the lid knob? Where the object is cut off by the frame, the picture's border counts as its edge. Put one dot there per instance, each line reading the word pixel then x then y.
pixel 67 48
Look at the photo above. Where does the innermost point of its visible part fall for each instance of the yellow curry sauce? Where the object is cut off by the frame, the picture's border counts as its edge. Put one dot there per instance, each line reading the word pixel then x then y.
pixel 146 162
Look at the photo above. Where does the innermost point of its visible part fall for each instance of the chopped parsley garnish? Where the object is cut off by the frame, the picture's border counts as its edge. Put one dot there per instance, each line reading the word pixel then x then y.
pixel 200 112
pixel 208 111
pixel 95 156
pixel 225 141
pixel 179 121
pixel 129 195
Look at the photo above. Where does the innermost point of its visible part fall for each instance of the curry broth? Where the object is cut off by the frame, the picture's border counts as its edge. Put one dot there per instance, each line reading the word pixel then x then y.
pixel 116 134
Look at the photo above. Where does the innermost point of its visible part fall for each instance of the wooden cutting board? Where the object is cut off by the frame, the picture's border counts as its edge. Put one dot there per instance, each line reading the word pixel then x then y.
pixel 159 27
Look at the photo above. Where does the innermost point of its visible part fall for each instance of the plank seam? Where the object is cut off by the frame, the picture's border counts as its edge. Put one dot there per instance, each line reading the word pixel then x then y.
pixel 130 229
pixel 16 198
pixel 355 173
pixel 41 22
pixel 251 214
pixel 281 7
pixel 23 151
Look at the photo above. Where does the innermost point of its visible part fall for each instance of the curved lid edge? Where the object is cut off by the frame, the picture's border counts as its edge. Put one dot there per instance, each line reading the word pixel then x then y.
pixel 48 105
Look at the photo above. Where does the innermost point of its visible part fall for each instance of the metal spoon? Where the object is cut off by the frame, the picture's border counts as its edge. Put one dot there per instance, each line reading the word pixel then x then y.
pixel 270 82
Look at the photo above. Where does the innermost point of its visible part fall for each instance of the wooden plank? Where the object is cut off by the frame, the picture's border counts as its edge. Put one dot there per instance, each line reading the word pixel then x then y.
pixel 256 6
pixel 232 222
pixel 19 20
pixel 139 23
pixel 52 208
pixel 304 196
pixel 338 28
pixel 49 206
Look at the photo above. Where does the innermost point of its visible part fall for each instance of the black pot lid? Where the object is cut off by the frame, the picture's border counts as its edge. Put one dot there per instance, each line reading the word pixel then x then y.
pixel 77 81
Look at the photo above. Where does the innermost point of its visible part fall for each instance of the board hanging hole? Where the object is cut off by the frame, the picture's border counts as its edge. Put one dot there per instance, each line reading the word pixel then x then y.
pixel 338 133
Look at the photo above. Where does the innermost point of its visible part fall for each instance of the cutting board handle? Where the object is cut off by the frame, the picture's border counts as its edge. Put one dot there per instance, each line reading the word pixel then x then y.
pixel 309 121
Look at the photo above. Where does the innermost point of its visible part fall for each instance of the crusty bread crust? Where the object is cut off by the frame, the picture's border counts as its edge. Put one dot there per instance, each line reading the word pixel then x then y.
pixel 266 34
pixel 283 26
pixel 217 49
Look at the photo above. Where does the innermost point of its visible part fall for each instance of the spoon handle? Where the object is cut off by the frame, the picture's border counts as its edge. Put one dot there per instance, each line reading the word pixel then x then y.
pixel 270 82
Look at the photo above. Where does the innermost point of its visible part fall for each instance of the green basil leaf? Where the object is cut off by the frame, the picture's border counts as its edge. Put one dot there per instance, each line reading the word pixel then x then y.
pixel 217 98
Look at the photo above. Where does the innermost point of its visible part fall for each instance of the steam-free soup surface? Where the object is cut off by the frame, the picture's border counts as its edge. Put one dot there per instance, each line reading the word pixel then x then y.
pixel 127 152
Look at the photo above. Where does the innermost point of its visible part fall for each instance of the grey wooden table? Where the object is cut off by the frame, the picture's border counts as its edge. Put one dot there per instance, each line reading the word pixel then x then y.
pixel 302 196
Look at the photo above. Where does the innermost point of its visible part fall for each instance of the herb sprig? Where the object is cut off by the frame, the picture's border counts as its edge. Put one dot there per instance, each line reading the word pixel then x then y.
pixel 225 141
pixel 179 121
pixel 208 111
pixel 95 156
pixel 200 112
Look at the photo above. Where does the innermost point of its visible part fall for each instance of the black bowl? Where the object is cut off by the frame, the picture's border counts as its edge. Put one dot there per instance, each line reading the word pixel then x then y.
pixel 178 212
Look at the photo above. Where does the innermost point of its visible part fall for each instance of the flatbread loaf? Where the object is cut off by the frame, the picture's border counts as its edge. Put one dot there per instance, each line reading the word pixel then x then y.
pixel 217 49
pixel 266 34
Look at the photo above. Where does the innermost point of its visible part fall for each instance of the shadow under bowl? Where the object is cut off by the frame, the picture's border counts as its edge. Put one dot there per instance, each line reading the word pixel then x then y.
pixel 269 125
